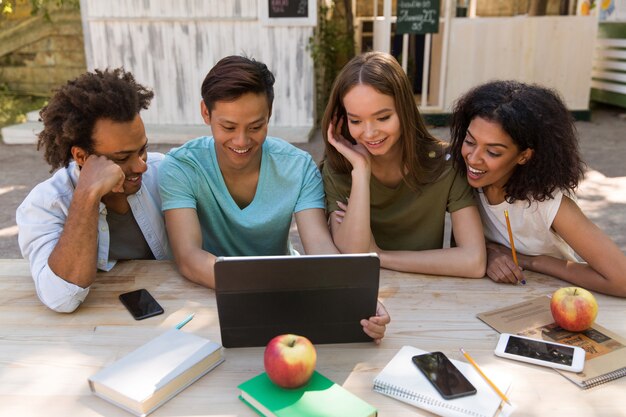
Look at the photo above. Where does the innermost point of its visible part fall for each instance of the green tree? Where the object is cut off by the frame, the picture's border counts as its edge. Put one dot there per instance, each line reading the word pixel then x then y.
pixel 43 7
pixel 331 47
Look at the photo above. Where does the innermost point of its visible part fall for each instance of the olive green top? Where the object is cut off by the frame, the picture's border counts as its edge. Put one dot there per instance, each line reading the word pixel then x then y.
pixel 402 218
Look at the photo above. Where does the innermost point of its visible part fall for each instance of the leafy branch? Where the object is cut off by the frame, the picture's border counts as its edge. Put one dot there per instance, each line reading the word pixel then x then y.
pixel 331 47
pixel 37 7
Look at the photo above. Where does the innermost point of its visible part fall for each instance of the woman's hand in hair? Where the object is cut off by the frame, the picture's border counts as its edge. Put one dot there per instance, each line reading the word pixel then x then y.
pixel 356 154
pixel 500 265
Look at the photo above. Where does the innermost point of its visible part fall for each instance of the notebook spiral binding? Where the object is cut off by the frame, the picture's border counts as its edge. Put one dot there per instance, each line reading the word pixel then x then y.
pixel 403 394
pixel 599 380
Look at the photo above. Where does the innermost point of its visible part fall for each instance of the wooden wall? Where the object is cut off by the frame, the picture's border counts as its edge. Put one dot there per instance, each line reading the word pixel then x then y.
pixel 492 8
pixel 171 45
pixel 483 7
pixel 555 51
pixel 38 55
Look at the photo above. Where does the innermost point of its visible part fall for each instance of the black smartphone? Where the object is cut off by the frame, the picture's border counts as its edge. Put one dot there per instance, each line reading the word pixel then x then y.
pixel 444 376
pixel 141 304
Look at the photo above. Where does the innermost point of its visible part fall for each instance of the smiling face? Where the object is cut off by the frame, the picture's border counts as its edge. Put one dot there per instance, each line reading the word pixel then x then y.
pixel 124 143
pixel 372 119
pixel 239 128
pixel 490 155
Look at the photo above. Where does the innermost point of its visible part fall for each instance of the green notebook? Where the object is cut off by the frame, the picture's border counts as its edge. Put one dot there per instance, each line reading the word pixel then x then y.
pixel 319 397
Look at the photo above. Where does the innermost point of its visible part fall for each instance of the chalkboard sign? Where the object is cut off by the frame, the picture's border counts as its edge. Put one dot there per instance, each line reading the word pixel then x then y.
pixel 288 12
pixel 288 8
pixel 417 16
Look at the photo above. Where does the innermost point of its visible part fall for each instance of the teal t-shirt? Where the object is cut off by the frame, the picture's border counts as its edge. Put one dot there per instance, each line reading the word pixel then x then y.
pixel 289 181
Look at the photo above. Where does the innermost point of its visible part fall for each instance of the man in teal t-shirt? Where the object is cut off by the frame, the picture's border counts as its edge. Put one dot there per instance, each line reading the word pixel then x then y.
pixel 289 182
pixel 234 194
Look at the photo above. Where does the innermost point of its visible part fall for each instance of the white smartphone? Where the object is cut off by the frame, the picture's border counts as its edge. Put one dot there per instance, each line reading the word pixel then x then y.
pixel 540 352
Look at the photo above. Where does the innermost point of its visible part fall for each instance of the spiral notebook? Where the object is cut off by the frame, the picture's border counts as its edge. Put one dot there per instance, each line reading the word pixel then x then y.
pixel 605 358
pixel 401 380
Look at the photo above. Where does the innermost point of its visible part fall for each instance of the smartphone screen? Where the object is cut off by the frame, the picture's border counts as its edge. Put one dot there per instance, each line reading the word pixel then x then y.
pixel 444 376
pixel 141 304
pixel 540 350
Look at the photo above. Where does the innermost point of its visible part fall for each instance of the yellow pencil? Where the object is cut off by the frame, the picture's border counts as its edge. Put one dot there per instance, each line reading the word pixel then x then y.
pixel 475 365
pixel 513 252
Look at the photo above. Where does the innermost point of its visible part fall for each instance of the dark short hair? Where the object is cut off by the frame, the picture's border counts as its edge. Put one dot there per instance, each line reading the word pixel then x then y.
pixel 535 118
pixel 70 116
pixel 234 76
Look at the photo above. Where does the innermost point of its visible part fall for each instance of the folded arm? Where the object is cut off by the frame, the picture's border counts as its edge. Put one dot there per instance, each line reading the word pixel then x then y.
pixel 467 259
pixel 59 238
pixel 352 234
pixel 74 258
pixel 39 231
pixel 604 270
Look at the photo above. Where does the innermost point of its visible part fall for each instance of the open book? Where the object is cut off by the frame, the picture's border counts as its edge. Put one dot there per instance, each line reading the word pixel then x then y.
pixel 155 372
pixel 605 358
pixel 402 380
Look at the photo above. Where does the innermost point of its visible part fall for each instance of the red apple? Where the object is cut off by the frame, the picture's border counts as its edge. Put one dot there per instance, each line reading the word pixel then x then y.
pixel 289 360
pixel 573 308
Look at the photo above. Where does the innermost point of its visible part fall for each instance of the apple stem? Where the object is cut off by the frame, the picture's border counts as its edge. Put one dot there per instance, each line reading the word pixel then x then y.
pixel 575 290
pixel 292 342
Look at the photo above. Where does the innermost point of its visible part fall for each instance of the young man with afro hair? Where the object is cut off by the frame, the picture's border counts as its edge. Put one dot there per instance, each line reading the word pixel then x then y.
pixel 103 202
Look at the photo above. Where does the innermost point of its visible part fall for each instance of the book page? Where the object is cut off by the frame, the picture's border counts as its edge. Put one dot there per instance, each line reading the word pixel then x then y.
pixel 520 317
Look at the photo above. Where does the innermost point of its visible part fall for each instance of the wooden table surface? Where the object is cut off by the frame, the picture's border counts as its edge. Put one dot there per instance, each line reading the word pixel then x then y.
pixel 46 357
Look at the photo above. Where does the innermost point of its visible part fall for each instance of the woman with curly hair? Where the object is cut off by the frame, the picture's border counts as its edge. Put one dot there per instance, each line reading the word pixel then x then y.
pixel 518 146
pixel 398 178
pixel 103 204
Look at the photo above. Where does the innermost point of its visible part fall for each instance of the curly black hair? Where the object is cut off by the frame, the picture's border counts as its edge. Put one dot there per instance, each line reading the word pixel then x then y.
pixel 70 116
pixel 534 117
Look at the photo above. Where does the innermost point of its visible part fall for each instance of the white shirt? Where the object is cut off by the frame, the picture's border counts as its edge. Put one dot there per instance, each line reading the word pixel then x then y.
pixel 41 218
pixel 531 225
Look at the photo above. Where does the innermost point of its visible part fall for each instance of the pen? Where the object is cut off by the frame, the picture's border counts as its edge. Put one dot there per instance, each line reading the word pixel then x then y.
pixel 475 365
pixel 182 323
pixel 508 227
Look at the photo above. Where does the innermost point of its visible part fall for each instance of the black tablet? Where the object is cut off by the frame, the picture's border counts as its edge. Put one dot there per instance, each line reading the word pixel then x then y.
pixel 322 297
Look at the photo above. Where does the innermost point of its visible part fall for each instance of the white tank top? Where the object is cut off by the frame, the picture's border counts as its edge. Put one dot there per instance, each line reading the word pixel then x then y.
pixel 531 225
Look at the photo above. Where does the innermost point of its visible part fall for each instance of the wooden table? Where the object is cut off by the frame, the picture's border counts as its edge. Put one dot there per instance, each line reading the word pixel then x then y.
pixel 46 357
